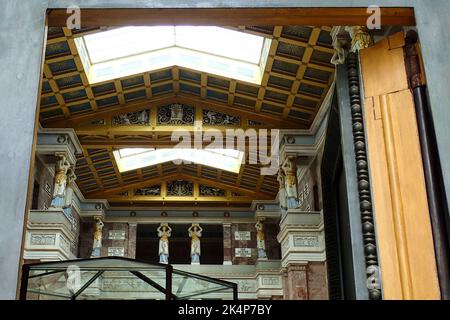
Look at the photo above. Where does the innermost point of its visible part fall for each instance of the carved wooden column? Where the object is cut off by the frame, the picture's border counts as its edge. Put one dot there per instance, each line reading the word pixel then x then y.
pixel 403 229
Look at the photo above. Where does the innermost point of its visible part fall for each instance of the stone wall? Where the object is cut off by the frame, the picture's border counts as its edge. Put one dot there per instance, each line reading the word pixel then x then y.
pixel 309 189
pixel 273 248
pixel 44 177
pixel 246 248
pixel 116 240
pixel 305 282
pixel 76 225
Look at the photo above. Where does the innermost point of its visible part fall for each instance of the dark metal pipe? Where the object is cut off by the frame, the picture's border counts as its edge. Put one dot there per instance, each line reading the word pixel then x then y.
pixel 437 203
pixel 433 178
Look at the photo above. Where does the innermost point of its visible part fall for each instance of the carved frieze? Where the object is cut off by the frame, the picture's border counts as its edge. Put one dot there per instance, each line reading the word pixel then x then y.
pixel 246 285
pixel 176 113
pixel 64 244
pixel 217 118
pixel 271 281
pixel 43 239
pixel 254 123
pixel 98 122
pixel 148 191
pixel 132 118
pixel 180 188
pixel 211 191
pixel 306 241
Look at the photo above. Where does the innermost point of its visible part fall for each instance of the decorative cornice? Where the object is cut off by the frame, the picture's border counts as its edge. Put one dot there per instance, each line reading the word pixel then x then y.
pixel 64 131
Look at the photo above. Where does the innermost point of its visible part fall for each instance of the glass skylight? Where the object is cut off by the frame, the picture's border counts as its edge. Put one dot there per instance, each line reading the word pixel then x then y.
pixel 123 42
pixel 134 158
pixel 126 152
pixel 130 50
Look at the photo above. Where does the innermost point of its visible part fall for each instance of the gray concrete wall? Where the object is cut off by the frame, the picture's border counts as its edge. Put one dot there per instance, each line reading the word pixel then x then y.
pixel 21 38
pixel 22 34
pixel 432 22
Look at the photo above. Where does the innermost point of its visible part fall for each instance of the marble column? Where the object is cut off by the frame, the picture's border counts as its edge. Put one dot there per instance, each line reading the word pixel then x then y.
pixel 282 197
pixel 227 254
pixel 132 228
pixel 305 281
pixel 296 282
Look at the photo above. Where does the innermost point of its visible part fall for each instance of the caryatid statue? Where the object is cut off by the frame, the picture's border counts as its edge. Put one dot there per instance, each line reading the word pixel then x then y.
pixel 290 170
pixel 164 232
pixel 98 234
pixel 282 192
pixel 59 190
pixel 195 233
pixel 260 240
pixel 71 177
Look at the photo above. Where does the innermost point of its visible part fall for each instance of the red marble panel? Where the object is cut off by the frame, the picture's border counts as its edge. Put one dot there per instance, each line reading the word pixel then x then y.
pixel 317 281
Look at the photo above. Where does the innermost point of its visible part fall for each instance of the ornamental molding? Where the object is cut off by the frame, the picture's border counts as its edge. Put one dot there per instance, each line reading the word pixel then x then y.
pixel 154 190
pixel 176 113
pixel 141 118
pixel 218 118
pixel 180 188
pixel 207 191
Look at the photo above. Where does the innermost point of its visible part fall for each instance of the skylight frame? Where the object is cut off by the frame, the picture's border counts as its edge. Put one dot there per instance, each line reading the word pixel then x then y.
pixel 208 157
pixel 174 56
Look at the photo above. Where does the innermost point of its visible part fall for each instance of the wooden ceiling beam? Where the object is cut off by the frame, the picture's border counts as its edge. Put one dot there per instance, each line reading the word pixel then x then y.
pixel 185 176
pixel 75 120
pixel 57 17
pixel 194 199
pixel 131 143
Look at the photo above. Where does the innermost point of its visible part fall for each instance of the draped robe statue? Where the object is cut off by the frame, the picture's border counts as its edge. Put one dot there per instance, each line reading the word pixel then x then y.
pixel 290 170
pixel 67 207
pixel 260 240
pixel 98 234
pixel 195 233
pixel 164 232
pixel 59 190
pixel 282 192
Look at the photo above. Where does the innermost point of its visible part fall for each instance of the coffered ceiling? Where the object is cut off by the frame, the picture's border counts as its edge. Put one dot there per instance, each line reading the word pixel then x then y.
pixel 105 116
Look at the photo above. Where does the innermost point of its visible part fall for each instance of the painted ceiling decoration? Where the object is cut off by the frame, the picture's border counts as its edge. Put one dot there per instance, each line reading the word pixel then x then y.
pixel 142 109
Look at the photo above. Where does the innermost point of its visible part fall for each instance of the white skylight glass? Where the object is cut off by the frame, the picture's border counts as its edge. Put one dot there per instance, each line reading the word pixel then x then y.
pixel 134 158
pixel 130 50
pixel 221 42
pixel 123 42
pixel 126 152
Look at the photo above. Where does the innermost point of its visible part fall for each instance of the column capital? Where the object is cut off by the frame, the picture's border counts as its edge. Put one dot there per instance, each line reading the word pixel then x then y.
pixel 361 39
pixel 349 39
pixel 341 44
